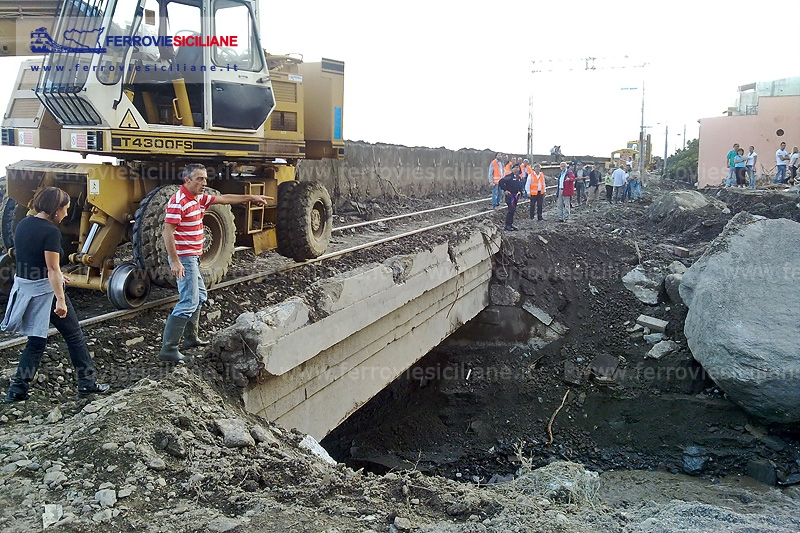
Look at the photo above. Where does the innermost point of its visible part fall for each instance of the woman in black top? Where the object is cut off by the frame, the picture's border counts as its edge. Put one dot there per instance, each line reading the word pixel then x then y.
pixel 38 252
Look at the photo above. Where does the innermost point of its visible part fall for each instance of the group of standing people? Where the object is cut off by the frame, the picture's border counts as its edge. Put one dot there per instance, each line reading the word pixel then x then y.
pixel 742 166
pixel 786 161
pixel 512 178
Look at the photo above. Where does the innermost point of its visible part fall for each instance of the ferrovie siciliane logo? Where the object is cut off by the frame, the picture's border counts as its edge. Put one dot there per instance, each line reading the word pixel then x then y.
pixel 74 42
pixel 88 41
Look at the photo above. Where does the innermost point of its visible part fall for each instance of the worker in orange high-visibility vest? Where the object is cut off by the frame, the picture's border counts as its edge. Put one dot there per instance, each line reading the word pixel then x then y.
pixel 496 173
pixel 536 189
pixel 525 170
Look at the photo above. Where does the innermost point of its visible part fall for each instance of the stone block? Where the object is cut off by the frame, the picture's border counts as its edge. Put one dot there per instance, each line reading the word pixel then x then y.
pixel 652 323
pixel 661 349
pixel 762 471
pixel 680 251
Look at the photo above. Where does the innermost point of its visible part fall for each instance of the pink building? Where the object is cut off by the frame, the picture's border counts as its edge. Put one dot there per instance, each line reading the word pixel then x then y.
pixel 766 114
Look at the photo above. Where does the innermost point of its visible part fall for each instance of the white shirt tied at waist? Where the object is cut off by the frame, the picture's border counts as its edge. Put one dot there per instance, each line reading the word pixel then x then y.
pixel 29 307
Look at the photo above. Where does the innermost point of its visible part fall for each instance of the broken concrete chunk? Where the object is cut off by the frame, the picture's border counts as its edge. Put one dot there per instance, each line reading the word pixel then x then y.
pixel 680 251
pixel 234 433
pixel 661 349
pixel 310 443
pixel 653 338
pixel 645 285
pixel 538 313
pixel 604 365
pixel 652 323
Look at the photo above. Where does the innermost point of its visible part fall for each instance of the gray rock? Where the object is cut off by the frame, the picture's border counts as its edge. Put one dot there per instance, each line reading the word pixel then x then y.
pixel 52 514
pixel 644 284
pixel 402 523
pixel 762 470
pixel 661 349
pixel 103 516
pixel 54 415
pixel 234 433
pixel 672 284
pixel 742 320
pixel 653 338
pixel 223 524
pixel 262 434
pixel 694 459
pixel 157 464
pixel 676 267
pixel 106 497
pixel 503 295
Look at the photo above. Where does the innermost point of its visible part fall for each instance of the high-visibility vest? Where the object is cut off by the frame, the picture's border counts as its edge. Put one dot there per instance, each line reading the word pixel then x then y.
pixel 537 185
pixel 497 172
pixel 525 170
pixel 508 167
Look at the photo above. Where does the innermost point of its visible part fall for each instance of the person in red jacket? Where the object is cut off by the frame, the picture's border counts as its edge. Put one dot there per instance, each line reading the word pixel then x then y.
pixel 566 190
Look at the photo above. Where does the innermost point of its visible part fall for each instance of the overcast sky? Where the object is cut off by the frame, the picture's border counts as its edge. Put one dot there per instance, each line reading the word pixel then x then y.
pixel 424 73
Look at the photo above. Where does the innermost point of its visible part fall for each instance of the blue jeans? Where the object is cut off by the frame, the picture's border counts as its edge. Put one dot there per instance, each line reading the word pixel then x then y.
pixel 497 195
pixel 731 180
pixel 191 288
pixel 780 177
pixel 76 344
pixel 635 189
pixel 752 174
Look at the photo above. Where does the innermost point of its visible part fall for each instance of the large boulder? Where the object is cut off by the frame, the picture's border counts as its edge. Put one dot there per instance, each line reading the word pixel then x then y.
pixel 742 322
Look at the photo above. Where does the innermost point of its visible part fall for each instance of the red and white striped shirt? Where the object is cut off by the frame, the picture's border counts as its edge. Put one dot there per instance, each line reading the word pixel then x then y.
pixel 186 212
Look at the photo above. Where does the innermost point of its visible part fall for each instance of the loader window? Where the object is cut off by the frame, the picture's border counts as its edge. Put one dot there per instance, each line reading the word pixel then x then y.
pixel 124 22
pixel 233 19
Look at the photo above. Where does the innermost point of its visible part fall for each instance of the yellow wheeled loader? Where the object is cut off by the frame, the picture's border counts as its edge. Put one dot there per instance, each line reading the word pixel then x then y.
pixel 158 84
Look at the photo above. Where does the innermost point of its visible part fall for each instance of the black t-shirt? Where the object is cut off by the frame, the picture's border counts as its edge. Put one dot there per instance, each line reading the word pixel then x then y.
pixel 33 237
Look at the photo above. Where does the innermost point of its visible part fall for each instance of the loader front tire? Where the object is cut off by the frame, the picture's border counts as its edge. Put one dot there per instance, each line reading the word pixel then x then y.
pixel 311 220
pixel 150 252
pixel 283 229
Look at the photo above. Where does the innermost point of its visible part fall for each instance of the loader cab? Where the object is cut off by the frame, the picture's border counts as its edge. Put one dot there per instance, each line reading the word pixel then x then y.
pixel 160 64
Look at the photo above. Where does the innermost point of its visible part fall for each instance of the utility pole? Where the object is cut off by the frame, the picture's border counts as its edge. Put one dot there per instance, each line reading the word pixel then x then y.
pixel 641 140
pixel 530 129
pixel 666 139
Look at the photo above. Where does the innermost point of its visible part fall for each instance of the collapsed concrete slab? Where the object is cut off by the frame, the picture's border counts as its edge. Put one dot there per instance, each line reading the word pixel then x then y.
pixel 742 321
pixel 379 321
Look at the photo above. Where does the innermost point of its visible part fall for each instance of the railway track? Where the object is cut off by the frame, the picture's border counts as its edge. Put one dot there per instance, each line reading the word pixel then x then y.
pixel 263 274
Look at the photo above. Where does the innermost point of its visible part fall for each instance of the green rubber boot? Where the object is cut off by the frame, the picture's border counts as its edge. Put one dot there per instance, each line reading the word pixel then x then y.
pixel 173 330
pixel 190 338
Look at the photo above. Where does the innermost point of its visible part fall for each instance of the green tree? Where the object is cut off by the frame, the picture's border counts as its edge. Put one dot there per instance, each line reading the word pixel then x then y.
pixel 682 165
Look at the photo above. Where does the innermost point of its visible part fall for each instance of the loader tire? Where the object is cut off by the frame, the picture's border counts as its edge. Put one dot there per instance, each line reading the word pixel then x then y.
pixel 8 221
pixel 150 252
pixel 311 220
pixel 283 229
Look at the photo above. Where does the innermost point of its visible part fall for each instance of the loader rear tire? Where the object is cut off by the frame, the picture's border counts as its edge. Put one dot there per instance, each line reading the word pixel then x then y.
pixel 283 229
pixel 311 220
pixel 10 215
pixel 150 252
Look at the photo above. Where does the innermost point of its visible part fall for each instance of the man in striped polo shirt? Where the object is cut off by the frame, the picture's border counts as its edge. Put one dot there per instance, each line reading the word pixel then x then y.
pixel 183 236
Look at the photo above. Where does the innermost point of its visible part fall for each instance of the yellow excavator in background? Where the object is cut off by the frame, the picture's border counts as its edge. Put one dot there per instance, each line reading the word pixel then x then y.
pixel 631 153
pixel 158 84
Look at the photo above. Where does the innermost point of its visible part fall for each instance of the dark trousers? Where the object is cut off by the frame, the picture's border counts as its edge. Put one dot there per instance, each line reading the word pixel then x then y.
pixel 512 208
pixel 537 201
pixel 76 344
pixel 580 191
pixel 609 193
